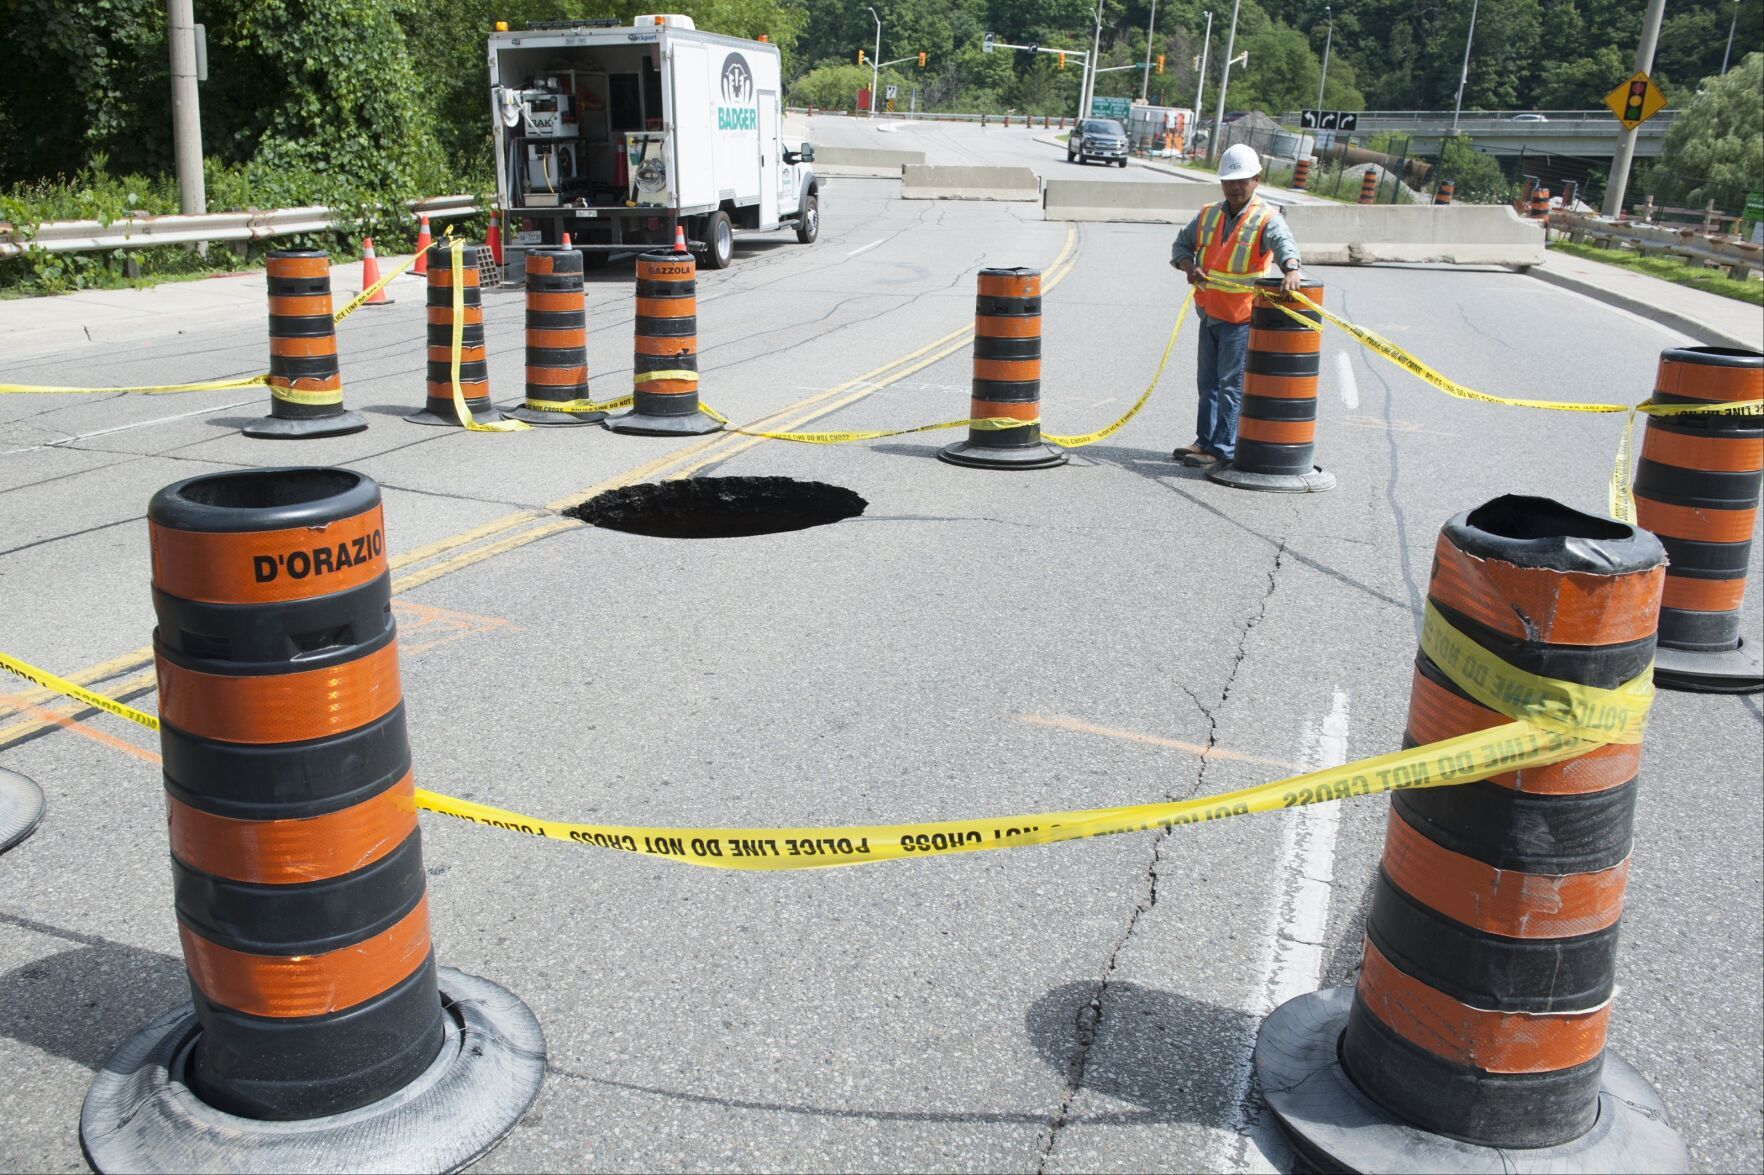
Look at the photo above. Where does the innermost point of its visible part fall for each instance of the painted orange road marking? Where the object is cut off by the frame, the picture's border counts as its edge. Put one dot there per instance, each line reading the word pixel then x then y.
pixel 1060 722
pixel 78 727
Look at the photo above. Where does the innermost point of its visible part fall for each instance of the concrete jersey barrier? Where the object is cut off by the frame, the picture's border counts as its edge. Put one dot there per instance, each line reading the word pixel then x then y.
pixel 1145 202
pixel 1463 234
pixel 922 182
pixel 863 161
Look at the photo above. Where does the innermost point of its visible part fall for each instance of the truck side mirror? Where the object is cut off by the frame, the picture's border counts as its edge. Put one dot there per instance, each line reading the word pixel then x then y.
pixel 805 155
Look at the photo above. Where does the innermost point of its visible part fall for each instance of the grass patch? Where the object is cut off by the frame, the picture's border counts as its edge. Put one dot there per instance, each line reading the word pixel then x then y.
pixel 1683 273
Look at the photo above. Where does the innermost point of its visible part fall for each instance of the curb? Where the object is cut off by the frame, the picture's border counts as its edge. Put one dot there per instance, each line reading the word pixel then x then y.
pixel 1694 327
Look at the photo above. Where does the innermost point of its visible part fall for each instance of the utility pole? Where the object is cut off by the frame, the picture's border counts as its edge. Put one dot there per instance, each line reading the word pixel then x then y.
pixel 1091 63
pixel 875 63
pixel 1644 63
pixel 1328 40
pixel 1464 70
pixel 1726 54
pixel 180 35
pixel 1150 31
pixel 1200 85
pixel 1224 83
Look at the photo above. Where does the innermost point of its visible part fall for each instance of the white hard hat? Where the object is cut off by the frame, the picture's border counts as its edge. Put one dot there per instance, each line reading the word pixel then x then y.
pixel 1240 162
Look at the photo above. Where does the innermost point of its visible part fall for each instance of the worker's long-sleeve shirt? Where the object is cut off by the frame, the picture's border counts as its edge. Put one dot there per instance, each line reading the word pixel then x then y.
pixel 1275 235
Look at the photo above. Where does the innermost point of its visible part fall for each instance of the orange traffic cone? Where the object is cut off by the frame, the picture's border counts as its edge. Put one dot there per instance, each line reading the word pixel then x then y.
pixel 423 241
pixel 496 239
pixel 566 241
pixel 370 274
pixel 680 239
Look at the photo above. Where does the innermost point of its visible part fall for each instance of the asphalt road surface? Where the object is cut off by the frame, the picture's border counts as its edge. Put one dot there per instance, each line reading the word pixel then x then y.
pixel 976 643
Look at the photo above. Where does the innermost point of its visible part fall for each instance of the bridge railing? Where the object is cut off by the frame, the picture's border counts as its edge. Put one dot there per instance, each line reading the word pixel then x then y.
pixel 1504 120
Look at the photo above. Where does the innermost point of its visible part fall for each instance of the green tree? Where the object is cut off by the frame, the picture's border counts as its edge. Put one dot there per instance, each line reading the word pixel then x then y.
pixel 1478 178
pixel 1715 149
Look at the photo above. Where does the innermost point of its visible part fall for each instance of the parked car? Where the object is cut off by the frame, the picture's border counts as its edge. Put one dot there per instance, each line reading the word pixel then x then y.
pixel 1098 138
pixel 1529 118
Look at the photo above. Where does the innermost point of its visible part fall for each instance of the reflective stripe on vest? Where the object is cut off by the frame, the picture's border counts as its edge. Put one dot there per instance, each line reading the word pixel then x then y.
pixel 1241 263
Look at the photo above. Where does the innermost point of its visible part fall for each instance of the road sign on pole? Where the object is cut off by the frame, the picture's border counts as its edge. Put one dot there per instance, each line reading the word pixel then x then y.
pixel 891 92
pixel 1116 108
pixel 1636 100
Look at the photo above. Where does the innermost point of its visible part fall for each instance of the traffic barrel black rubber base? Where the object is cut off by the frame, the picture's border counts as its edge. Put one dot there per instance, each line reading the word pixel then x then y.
pixel 21 808
pixel 1734 671
pixel 1334 1127
pixel 140 1114
pixel 284 428
pixel 536 416
pixel 647 424
pixel 451 419
pixel 1314 482
pixel 1036 456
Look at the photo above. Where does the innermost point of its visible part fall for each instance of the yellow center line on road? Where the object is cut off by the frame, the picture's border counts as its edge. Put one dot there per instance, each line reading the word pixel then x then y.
pixel 531 525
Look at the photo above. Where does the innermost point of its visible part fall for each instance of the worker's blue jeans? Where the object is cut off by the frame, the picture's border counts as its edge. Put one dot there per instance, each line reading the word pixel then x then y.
pixel 1219 379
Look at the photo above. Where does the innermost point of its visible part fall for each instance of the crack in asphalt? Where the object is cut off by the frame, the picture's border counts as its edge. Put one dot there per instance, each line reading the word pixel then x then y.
pixel 1089 1018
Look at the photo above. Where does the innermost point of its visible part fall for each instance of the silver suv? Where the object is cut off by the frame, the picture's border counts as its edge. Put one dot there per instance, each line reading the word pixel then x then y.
pixel 1098 138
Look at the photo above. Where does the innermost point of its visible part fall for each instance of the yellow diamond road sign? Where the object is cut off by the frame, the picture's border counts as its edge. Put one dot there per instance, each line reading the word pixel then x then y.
pixel 1636 101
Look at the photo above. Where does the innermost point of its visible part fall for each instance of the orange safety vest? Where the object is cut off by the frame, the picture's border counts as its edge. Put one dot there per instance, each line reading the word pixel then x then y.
pixel 1239 256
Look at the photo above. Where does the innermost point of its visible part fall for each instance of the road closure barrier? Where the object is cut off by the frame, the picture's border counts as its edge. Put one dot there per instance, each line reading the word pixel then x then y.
pixel 557 341
pixel 305 381
pixel 320 1028
pixel 1697 487
pixel 458 371
pixel 1476 1031
pixel 664 368
pixel 1007 376
pixel 1277 423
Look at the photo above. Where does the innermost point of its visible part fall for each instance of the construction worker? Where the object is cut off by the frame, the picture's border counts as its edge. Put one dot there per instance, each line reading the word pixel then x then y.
pixel 1231 241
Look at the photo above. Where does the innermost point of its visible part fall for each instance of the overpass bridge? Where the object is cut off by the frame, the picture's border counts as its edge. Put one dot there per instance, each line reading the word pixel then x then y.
pixel 1584 133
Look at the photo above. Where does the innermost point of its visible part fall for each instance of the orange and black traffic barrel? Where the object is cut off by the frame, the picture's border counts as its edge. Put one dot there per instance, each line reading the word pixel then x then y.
pixel 1540 203
pixel 474 369
pixel 1369 187
pixel 1444 193
pixel 664 396
pixel 1277 422
pixel 305 381
pixel 1007 377
pixel 1477 1027
pixel 1301 174
pixel 296 858
pixel 557 340
pixel 1697 487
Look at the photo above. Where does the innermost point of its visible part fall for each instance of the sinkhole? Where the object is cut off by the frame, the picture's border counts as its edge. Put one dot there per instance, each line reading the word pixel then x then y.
pixel 719 507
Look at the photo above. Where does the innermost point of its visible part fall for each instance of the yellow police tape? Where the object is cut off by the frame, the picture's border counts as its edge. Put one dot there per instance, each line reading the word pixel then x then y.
pixel 1620 501
pixel 577 405
pixel 360 300
pixel 1554 720
pixel 980 423
pixel 649 377
pixel 456 259
pixel 213 385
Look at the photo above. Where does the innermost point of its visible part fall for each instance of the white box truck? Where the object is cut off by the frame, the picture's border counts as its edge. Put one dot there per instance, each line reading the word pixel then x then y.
pixel 616 134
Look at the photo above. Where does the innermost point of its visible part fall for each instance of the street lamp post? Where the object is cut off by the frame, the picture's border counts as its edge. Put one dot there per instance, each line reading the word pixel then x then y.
pixel 1224 82
pixel 1200 84
pixel 1464 70
pixel 180 35
pixel 1091 63
pixel 1150 30
pixel 1328 40
pixel 875 63
pixel 1726 53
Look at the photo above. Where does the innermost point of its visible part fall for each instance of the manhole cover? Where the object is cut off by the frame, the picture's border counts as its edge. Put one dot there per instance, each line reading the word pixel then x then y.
pixel 720 507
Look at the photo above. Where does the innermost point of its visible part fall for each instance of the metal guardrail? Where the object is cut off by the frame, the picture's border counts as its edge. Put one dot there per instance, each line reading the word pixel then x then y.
pixel 140 232
pixel 1736 256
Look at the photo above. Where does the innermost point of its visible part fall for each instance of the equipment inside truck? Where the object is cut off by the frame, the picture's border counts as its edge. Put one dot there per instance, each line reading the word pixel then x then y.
pixel 571 118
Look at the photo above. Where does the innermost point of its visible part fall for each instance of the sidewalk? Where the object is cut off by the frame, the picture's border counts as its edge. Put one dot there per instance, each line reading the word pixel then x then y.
pixel 1709 318
pixel 37 326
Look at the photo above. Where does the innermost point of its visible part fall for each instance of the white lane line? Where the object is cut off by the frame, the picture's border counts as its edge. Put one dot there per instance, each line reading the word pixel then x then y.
pixel 865 248
pixel 1344 380
pixel 104 432
pixel 1297 925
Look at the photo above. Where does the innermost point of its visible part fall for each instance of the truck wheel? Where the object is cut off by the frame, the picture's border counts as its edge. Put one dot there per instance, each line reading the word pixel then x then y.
pixel 809 227
pixel 719 239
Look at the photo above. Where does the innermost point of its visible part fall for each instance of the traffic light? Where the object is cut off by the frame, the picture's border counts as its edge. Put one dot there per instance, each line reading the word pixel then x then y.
pixel 1638 94
pixel 860 56
pixel 921 61
pixel 1062 60
pixel 1160 63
